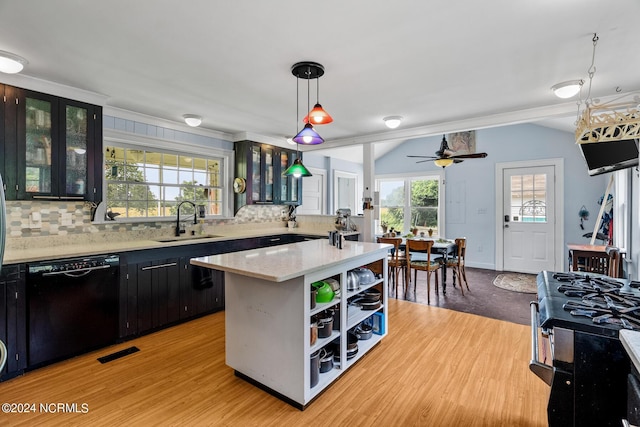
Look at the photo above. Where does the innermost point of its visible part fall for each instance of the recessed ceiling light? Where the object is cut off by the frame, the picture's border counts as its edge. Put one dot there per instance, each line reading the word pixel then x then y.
pixel 392 122
pixel 192 120
pixel 567 89
pixel 10 63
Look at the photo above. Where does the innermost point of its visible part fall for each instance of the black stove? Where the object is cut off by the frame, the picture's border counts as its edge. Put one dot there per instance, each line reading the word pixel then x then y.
pixel 581 314
pixel 588 302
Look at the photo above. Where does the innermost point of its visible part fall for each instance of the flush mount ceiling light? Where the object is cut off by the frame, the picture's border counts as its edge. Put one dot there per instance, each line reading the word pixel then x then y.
pixel 392 122
pixel 192 120
pixel 308 70
pixel 567 89
pixel 11 63
pixel 615 120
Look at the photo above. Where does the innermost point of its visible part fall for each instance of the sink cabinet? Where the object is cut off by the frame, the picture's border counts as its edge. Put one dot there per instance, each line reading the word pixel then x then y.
pixel 159 287
pixel 261 166
pixel 52 147
pixel 13 314
pixel 158 293
pixel 201 290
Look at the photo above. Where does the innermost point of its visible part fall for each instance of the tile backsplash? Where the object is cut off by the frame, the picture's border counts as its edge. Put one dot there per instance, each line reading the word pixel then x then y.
pixel 62 218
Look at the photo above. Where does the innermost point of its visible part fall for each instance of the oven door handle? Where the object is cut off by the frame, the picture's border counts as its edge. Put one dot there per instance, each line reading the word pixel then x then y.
pixel 542 370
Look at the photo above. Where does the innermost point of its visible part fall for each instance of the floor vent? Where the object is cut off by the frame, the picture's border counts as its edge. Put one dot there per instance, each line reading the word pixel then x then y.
pixel 118 354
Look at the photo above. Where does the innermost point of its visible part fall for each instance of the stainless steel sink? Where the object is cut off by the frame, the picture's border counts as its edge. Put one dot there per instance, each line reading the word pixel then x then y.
pixel 187 238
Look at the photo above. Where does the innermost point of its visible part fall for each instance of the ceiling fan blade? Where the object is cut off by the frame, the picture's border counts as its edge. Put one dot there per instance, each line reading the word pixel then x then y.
pixel 423 157
pixel 426 160
pixel 469 156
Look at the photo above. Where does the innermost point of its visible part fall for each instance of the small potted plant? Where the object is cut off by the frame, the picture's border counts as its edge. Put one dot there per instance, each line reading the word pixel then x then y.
pixel 291 217
pixel 430 231
pixel 384 227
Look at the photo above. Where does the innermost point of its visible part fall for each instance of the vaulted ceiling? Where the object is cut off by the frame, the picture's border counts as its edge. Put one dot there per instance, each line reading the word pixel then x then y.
pixel 442 65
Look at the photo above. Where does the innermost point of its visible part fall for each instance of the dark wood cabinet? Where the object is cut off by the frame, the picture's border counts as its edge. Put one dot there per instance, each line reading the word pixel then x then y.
pixel 158 290
pixel 13 314
pixel 52 147
pixel 158 293
pixel 201 289
pixel 8 144
pixel 261 166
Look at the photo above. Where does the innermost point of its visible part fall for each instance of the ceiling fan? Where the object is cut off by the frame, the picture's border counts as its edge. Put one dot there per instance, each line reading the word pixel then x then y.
pixel 446 156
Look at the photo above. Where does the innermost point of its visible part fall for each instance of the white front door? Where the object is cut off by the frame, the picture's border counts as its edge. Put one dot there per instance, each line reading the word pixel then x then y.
pixel 528 219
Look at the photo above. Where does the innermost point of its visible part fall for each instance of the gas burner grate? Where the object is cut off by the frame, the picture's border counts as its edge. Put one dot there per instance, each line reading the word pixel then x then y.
pixel 608 307
pixel 584 285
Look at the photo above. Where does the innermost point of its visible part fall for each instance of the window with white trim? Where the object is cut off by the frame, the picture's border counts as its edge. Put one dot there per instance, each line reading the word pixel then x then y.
pixel 150 183
pixel 411 202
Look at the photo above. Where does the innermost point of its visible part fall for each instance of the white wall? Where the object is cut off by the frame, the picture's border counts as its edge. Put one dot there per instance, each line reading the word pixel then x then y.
pixel 634 256
pixel 331 165
pixel 471 184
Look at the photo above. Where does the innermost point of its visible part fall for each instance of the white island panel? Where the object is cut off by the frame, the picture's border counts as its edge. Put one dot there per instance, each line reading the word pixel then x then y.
pixel 268 311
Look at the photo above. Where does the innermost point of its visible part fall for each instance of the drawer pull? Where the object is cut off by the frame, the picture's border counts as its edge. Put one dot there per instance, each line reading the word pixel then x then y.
pixel 155 267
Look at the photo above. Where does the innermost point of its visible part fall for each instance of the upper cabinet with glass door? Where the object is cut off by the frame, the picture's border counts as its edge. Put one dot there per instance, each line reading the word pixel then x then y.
pixel 259 168
pixel 290 187
pixel 58 148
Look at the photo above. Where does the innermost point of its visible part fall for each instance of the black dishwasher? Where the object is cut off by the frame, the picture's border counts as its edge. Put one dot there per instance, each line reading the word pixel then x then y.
pixel 73 307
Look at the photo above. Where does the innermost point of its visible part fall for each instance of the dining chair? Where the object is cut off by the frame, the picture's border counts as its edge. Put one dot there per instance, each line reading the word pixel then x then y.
pixel 613 267
pixel 416 250
pixel 456 263
pixel 397 261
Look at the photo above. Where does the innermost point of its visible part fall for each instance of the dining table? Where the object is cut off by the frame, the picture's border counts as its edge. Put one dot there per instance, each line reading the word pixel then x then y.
pixel 441 246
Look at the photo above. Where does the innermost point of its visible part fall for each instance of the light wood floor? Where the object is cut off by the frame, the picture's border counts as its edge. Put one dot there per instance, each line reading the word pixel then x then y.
pixel 436 367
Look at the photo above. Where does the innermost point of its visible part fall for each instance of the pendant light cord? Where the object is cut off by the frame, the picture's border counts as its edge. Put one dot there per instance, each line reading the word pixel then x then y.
pixel 297 112
pixel 309 92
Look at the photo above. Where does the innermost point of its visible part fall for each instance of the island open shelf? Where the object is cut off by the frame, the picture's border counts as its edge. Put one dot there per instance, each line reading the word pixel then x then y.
pixel 268 312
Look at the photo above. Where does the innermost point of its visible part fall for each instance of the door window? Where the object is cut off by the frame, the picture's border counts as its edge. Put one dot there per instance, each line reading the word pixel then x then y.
pixel 529 198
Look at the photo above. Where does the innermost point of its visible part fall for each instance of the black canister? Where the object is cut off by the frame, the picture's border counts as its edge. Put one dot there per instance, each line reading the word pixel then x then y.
pixel 314 367
pixel 325 324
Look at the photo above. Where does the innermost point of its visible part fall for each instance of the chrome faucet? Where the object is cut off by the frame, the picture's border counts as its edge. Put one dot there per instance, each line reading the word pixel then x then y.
pixel 179 231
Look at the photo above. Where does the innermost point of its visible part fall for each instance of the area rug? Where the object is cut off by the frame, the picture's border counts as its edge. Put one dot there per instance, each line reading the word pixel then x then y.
pixel 516 282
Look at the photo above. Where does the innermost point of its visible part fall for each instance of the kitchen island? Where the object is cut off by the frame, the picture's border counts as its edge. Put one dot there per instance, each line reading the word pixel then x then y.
pixel 269 312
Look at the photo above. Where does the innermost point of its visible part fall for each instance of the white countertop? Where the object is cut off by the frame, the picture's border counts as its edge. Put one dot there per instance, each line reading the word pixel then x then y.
pixel 284 262
pixel 631 342
pixel 95 245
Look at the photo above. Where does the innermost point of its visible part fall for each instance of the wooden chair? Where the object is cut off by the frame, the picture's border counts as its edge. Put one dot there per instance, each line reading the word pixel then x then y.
pixel 613 269
pixel 456 263
pixel 397 261
pixel 429 265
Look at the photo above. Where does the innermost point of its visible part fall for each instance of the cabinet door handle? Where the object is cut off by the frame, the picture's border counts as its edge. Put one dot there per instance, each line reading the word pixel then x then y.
pixel 154 267
pixel 47 197
pixel 275 239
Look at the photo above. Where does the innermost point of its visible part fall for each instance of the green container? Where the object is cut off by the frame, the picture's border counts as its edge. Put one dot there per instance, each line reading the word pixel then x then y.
pixel 325 291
